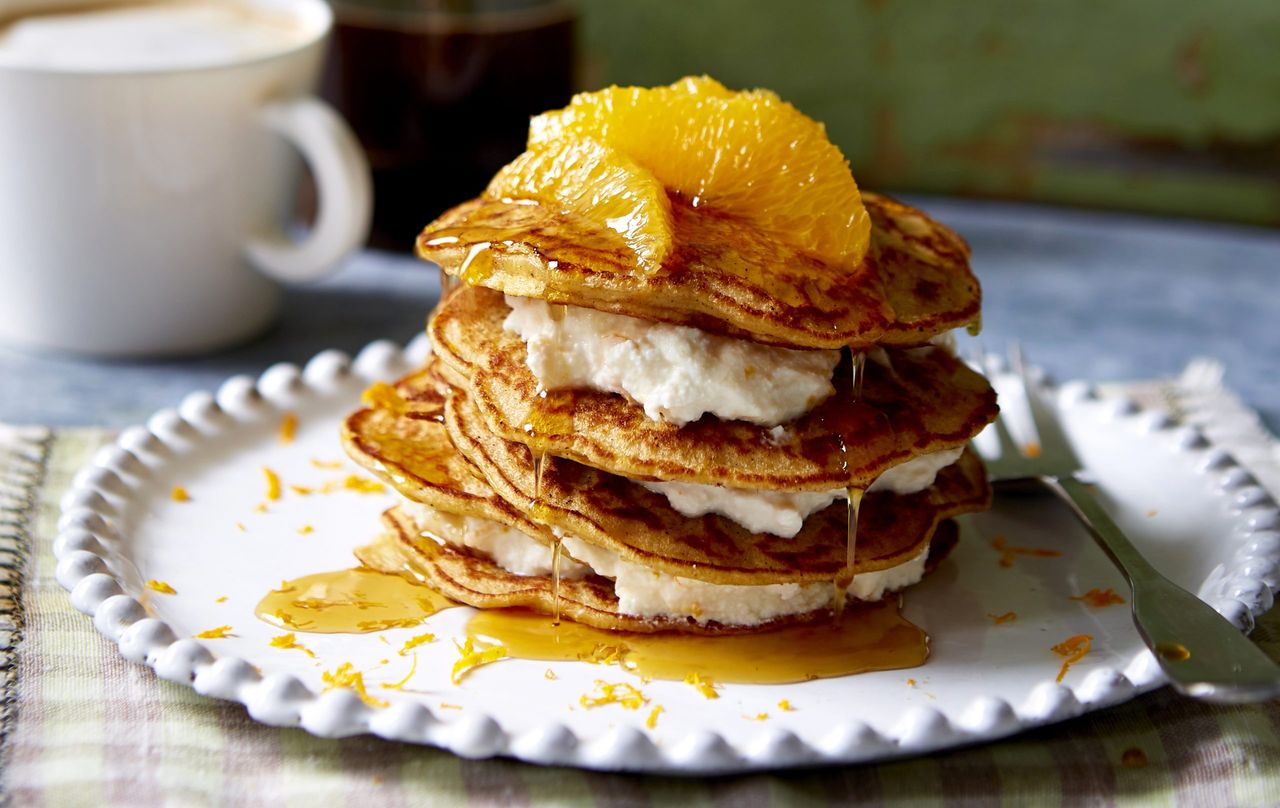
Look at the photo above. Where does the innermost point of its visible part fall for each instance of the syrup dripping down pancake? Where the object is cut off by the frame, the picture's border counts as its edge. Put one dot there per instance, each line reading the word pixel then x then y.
pixel 619 515
pixel 476 581
pixel 724 276
pixel 928 402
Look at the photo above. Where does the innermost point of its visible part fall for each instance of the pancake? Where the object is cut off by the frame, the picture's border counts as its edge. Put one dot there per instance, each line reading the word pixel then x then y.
pixel 621 516
pixel 929 401
pixel 617 514
pixel 411 451
pixel 724 276
pixel 475 581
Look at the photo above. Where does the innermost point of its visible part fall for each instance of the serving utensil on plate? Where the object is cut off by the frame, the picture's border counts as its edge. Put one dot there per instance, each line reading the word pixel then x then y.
pixel 1203 655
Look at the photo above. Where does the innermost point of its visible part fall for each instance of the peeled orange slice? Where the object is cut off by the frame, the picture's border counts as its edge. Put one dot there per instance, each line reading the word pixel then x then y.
pixel 748 154
pixel 581 176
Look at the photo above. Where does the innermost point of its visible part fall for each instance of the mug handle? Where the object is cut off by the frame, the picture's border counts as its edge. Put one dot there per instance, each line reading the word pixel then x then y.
pixel 344 187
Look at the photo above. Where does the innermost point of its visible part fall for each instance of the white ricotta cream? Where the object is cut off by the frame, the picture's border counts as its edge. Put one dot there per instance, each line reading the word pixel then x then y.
pixel 676 373
pixel 782 513
pixel 647 593
pixel 511 549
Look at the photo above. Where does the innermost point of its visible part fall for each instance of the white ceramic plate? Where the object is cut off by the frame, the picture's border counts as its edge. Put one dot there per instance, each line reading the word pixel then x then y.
pixel 1199 516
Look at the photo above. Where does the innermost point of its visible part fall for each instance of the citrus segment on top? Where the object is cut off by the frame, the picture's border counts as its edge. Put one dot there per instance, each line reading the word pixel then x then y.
pixel 748 154
pixel 581 176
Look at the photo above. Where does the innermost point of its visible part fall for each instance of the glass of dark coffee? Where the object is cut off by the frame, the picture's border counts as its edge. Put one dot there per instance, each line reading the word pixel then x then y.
pixel 440 93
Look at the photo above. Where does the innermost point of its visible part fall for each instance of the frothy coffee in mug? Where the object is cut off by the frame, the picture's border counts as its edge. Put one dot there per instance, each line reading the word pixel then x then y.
pixel 141 36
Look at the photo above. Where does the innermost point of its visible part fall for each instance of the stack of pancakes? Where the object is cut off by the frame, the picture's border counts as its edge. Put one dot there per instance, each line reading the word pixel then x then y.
pixel 601 503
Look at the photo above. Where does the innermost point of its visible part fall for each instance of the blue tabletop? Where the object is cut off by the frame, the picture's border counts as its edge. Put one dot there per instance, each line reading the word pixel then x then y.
pixel 1089 295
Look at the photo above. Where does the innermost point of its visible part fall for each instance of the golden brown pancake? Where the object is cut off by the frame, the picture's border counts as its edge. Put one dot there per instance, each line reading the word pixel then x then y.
pixel 724 276
pixel 475 581
pixel 928 402
pixel 614 513
pixel 411 451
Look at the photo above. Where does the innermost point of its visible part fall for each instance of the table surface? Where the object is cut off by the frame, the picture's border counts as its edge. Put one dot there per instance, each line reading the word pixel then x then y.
pixel 1089 295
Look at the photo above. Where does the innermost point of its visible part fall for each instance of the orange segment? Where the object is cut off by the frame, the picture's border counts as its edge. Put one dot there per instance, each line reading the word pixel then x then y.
pixel 749 154
pixel 583 177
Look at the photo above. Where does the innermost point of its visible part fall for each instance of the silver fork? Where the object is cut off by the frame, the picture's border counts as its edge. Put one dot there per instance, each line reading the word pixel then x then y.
pixel 1203 654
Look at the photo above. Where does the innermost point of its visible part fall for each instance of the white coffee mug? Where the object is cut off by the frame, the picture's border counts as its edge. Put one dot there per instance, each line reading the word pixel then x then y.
pixel 144 206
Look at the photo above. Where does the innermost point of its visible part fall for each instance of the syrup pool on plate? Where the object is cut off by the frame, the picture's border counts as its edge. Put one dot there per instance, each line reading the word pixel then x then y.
pixel 871 637
pixel 352 601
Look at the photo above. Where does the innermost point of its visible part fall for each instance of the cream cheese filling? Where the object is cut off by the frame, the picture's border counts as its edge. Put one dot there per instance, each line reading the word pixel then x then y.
pixel 782 513
pixel 509 548
pixel 644 592
pixel 677 373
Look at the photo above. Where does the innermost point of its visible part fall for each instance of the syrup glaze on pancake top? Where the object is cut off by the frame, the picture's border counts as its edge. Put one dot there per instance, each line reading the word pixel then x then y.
pixel 564 450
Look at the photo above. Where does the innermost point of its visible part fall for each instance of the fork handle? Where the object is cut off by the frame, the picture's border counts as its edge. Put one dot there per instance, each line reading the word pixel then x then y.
pixel 1203 654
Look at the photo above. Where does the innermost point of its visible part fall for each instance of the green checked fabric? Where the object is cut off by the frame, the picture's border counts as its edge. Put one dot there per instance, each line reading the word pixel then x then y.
pixel 84 727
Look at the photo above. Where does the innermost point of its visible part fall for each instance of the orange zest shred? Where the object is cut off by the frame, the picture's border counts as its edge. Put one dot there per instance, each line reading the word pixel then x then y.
pixel 330 465
pixel 384 396
pixel 240 527
pixel 302 490
pixel 444 705
pixel 1031 449
pixel 1100 598
pixel 1074 649
pixel 179 494
pixel 379 625
pixel 347 676
pixel 397 685
pixel 1001 619
pixel 288 428
pixel 361 485
pixel 414 642
pixel 629 696
pixel 652 721
pixel 1009 552
pixel 222 599
pixel 702 684
pixel 287 619
pixel 757 717
pixel 273 483
pixel 305 530
pixel 785 706
pixel 470 657
pixel 605 654
pixel 161 587
pixel 219 633
pixel 291 641
pixel 549 675
pixel 261 507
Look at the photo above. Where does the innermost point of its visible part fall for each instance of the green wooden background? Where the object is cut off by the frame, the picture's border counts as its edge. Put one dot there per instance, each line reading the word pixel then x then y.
pixel 1167 106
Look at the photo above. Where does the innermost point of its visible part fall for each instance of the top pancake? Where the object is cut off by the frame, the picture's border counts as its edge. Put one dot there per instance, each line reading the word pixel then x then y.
pixel 723 276
pixel 928 402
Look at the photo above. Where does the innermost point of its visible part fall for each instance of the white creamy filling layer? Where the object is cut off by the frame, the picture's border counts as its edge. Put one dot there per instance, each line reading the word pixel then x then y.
pixel 647 593
pixel 509 548
pixel 782 513
pixel 676 373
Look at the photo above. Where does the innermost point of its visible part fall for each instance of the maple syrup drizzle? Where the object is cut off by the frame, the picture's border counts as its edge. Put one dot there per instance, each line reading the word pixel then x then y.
pixel 874 636
pixel 840 584
pixel 542 422
pixel 478 266
pixel 350 601
pixel 845 577
pixel 556 552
